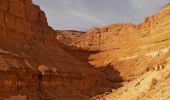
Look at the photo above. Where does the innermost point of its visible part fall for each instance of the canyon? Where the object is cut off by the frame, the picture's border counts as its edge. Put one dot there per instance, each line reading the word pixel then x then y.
pixel 115 62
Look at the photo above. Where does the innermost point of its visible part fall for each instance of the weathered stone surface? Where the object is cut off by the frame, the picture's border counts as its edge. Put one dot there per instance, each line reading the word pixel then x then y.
pixel 24 18
pixel 3 5
pixel 2 19
pixel 26 44
pixel 38 63
pixel 17 8
pixel 126 45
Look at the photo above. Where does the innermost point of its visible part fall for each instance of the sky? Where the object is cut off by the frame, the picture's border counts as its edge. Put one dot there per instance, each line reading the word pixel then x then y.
pixel 83 14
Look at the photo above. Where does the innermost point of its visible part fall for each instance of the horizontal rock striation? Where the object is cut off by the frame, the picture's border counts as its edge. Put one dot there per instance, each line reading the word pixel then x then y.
pixel 130 49
pixel 140 53
pixel 39 63
pixel 33 63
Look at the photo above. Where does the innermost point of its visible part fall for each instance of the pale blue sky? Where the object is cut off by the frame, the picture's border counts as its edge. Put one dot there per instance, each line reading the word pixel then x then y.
pixel 83 14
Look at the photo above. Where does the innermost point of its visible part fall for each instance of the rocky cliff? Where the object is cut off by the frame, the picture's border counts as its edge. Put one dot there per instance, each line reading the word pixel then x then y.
pixel 39 63
pixel 127 45
pixel 140 53
pixel 35 66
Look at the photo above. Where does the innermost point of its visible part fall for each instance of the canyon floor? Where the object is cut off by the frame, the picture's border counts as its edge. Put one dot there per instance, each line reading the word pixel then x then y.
pixel 115 62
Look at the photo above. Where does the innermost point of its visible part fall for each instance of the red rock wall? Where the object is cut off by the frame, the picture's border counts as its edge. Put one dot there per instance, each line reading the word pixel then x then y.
pixel 25 35
pixel 21 20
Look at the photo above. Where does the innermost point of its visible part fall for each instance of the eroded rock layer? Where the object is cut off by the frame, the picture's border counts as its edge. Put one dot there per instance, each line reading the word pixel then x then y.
pixel 139 53
pixel 38 63
pixel 127 52
pixel 35 66
pixel 130 49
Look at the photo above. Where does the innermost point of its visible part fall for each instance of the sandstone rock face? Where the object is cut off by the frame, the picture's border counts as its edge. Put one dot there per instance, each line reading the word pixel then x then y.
pixel 35 66
pixel 39 63
pixel 23 21
pixel 139 53
pixel 66 37
pixel 128 47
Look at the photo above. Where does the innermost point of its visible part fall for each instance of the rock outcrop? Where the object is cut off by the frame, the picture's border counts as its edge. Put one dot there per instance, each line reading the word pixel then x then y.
pixel 23 21
pixel 134 51
pixel 128 47
pixel 35 66
pixel 39 63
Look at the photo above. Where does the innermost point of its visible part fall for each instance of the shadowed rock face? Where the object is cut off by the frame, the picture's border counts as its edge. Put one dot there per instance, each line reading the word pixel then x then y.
pixel 35 66
pixel 39 63
pixel 130 49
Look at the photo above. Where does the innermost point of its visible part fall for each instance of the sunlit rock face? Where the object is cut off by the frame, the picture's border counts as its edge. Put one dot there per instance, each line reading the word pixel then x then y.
pixel 132 50
pixel 35 66
pixel 166 7
pixel 128 47
pixel 39 63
